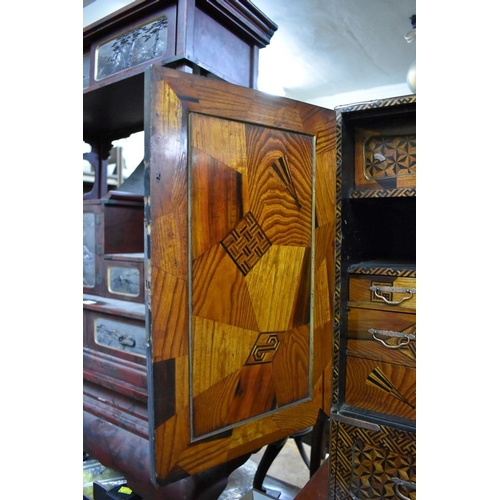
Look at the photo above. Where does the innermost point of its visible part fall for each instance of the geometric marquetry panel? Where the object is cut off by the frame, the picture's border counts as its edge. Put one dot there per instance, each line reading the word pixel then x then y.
pixel 240 231
pixel 274 184
pixel 373 463
pixel 387 156
pixel 385 162
pixel 375 469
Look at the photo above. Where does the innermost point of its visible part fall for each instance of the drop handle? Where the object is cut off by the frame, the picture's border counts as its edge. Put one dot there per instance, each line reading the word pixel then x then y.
pixel 404 338
pixel 392 289
pixel 407 484
pixel 126 340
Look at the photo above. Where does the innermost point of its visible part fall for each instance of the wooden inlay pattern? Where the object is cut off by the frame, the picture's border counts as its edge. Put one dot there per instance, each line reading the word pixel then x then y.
pixel 387 156
pixel 265 348
pixel 367 461
pixel 276 272
pixel 246 243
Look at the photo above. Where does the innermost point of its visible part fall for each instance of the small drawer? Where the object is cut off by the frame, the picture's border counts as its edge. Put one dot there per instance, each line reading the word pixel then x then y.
pixel 117 335
pixel 384 388
pixel 385 159
pixel 384 335
pixel 124 278
pixel 397 292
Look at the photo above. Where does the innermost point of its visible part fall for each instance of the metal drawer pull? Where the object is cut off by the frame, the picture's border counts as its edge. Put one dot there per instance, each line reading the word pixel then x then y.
pixel 392 289
pixel 404 338
pixel 406 484
pixel 126 340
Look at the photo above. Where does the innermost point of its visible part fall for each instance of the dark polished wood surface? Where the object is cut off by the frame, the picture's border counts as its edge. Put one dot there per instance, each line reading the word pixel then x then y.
pixel 317 487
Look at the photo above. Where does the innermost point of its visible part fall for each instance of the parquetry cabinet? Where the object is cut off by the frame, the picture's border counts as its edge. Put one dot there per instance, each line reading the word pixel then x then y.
pixel 208 297
pixel 260 281
pixel 238 272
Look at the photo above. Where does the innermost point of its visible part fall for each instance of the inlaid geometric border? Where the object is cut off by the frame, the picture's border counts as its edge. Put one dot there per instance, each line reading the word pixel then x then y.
pixel 377 103
pixel 384 271
pixel 384 193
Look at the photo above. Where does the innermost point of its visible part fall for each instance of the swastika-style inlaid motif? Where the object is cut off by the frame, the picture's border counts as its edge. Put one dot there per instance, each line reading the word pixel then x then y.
pixel 390 156
pixel 265 348
pixel 368 460
pixel 246 243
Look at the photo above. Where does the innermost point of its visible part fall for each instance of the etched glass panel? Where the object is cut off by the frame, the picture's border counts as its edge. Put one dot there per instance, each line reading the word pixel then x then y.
pixel 89 249
pixel 132 48
pixel 121 336
pixel 124 280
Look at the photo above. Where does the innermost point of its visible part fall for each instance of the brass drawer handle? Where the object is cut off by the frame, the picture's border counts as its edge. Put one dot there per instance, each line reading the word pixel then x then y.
pixel 392 289
pixel 406 484
pixel 404 338
pixel 126 340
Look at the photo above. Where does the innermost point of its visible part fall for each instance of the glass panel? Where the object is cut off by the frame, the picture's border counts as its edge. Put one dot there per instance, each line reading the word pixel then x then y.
pixel 132 48
pixel 124 280
pixel 89 249
pixel 122 336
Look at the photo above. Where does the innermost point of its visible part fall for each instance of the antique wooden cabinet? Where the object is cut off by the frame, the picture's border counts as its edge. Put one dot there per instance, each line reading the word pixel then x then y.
pixel 262 277
pixel 232 349
pixel 208 296
pixel 373 452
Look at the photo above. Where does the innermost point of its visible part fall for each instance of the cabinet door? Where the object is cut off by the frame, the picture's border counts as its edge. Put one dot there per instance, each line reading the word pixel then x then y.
pixel 240 226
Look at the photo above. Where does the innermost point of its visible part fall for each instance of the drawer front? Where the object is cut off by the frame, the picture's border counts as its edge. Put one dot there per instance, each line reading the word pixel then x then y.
pixel 124 281
pixel 397 292
pixel 381 387
pixel 385 160
pixel 384 335
pixel 116 335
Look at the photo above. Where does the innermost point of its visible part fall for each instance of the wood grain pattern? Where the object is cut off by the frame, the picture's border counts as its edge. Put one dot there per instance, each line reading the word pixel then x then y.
pixel 381 387
pixel 240 250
